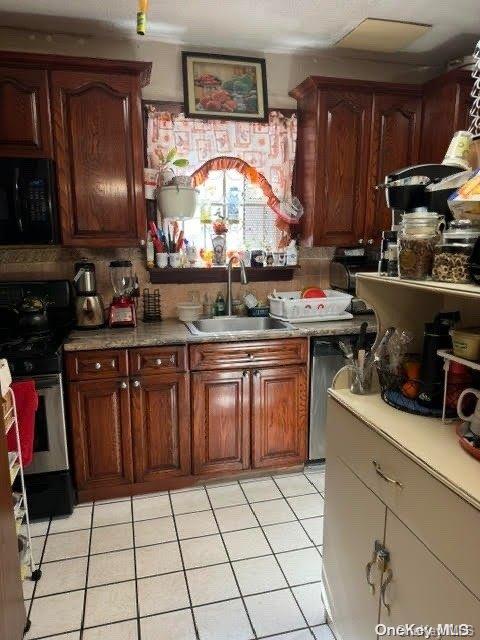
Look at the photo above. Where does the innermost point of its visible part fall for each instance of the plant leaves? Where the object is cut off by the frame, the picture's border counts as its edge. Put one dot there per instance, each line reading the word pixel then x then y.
pixel 181 162
pixel 171 154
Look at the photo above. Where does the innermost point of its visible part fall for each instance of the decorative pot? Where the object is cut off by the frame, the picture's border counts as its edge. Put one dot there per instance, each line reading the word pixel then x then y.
pixel 177 202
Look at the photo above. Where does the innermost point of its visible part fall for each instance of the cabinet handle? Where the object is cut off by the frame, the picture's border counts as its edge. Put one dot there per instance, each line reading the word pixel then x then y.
pixel 98 365
pixel 245 373
pixel 158 362
pixel 123 385
pixel 136 384
pixel 389 575
pixel 378 471
pixel 172 359
pixel 250 356
pixel 368 570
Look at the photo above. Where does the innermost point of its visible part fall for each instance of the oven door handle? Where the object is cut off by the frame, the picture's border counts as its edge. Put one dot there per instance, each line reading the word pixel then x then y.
pixel 16 200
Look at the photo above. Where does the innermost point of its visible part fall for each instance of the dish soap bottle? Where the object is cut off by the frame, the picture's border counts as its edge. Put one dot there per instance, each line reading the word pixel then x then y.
pixel 220 304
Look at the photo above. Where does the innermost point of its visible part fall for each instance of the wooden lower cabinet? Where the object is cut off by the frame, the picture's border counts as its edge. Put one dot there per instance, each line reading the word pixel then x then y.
pixel 221 421
pixel 279 416
pixel 161 426
pixel 354 519
pixel 102 437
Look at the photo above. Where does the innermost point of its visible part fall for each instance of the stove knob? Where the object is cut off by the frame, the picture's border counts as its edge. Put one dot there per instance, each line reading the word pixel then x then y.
pixel 28 366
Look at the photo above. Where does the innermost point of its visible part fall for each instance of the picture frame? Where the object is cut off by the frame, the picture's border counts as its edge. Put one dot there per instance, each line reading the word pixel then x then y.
pixel 224 87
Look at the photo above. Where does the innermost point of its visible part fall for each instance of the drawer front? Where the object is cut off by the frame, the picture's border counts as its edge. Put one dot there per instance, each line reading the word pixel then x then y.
pixel 158 359
pixel 446 524
pixel 92 365
pixel 211 356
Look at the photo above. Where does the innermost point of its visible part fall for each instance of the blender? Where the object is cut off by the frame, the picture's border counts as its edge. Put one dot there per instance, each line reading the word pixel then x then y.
pixel 122 310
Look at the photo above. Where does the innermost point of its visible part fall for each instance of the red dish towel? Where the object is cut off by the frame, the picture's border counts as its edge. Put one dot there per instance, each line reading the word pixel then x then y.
pixel 26 399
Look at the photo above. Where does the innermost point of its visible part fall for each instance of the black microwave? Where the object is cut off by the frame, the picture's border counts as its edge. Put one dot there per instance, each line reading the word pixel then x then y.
pixel 28 207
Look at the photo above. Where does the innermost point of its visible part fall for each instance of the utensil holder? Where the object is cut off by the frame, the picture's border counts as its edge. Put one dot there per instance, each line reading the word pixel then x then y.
pixel 360 380
pixel 152 306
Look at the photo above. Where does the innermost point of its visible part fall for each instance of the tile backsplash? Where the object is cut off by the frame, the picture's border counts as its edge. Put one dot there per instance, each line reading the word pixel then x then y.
pixel 58 262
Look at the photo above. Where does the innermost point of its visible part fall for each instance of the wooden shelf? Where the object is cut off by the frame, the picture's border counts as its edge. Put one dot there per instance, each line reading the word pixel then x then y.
pixel 443 288
pixel 219 274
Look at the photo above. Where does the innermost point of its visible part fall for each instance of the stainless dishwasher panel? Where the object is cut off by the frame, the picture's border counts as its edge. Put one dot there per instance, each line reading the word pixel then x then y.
pixel 327 359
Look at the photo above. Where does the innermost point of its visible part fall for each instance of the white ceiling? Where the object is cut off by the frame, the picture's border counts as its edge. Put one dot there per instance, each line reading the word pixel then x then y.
pixel 254 25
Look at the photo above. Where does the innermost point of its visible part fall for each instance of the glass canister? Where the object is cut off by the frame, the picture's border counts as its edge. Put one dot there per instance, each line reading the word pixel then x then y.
pixel 419 234
pixel 451 261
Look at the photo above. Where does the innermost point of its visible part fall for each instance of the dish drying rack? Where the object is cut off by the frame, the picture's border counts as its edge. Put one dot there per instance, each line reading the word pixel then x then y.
pixel 28 569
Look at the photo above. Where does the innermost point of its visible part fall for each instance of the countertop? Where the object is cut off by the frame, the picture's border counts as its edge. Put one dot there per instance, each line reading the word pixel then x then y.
pixel 427 441
pixel 172 331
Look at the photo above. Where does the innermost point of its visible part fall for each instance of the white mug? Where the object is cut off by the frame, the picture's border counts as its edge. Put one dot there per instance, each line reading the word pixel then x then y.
pixel 474 419
pixel 175 260
pixel 162 260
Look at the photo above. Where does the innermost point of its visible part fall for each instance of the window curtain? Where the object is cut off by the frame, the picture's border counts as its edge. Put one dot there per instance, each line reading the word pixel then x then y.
pixel 265 152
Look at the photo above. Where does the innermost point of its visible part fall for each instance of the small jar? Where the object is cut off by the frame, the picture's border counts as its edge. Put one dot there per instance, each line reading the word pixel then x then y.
pixel 451 261
pixel 419 234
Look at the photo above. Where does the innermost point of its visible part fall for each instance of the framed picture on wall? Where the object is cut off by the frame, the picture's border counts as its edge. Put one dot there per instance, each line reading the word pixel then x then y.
pixel 224 87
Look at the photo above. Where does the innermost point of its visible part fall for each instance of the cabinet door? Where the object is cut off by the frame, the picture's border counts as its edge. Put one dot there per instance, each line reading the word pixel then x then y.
pixel 354 520
pixel 24 113
pixel 221 421
pixel 12 608
pixel 102 439
pixel 279 416
pixel 161 426
pixel 422 589
pixel 343 144
pixel 99 152
pixel 395 143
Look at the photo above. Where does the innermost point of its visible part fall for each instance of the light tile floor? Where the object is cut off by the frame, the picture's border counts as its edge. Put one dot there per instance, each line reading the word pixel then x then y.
pixel 236 561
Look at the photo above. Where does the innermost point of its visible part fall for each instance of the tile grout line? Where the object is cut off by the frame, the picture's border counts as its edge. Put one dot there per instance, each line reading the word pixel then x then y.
pixel 82 623
pixel 135 575
pixel 197 634
pixel 277 561
pixel 231 566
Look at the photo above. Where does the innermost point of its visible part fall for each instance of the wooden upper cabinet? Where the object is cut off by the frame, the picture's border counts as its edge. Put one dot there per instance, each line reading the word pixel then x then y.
pixel 99 153
pixel 161 426
pixel 446 109
pixel 102 438
pixel 25 129
pixel 221 421
pixel 343 144
pixel 395 143
pixel 279 416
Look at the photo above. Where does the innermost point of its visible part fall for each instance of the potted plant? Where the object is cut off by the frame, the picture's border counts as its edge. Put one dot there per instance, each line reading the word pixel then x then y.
pixel 176 198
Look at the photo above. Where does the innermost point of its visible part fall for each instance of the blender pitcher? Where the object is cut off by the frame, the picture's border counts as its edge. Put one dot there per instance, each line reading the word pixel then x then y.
pixel 122 310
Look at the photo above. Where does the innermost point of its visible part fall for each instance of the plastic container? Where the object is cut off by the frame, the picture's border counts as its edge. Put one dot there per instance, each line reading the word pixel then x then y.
pixel 451 260
pixel 188 311
pixel 419 234
pixel 466 343
pixel 294 307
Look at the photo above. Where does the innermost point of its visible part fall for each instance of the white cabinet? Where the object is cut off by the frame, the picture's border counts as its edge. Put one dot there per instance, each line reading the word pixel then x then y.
pixel 424 582
pixel 354 520
pixel 423 591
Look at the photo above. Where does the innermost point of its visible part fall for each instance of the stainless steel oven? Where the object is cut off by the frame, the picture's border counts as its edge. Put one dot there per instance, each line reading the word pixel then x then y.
pixel 50 444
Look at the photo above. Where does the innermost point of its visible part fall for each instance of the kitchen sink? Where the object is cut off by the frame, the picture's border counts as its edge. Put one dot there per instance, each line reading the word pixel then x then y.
pixel 235 325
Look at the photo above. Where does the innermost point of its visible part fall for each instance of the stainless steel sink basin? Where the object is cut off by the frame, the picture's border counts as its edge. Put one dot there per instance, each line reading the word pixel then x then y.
pixel 235 325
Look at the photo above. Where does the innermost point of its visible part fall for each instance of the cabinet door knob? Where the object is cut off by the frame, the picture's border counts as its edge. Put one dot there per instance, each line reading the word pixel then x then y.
pixel 158 362
pixel 245 373
pixel 256 372
pixel 379 471
pixel 250 356
pixel 360 241
pixel 136 384
pixel 370 241
pixel 123 385
pixel 98 365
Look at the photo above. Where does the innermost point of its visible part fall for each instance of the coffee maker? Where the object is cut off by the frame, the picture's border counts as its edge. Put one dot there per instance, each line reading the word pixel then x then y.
pixel 407 190
pixel 89 310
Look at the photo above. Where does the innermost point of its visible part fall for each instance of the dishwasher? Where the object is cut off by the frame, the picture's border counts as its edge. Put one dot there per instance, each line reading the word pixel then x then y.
pixel 326 360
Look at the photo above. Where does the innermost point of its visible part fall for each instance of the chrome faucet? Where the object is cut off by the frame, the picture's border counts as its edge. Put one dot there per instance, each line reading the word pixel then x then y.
pixel 243 280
